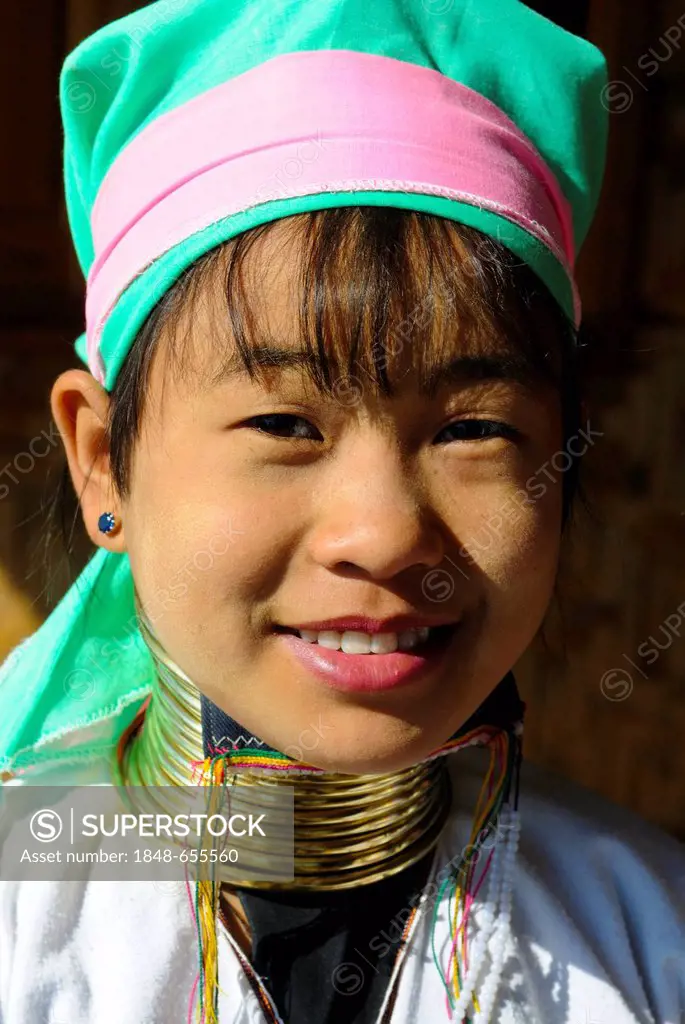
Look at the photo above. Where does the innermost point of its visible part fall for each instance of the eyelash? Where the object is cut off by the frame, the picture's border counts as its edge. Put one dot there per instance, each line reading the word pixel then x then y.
pixel 494 428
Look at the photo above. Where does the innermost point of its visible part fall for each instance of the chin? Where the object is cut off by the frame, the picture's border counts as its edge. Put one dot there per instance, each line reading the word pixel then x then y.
pixel 376 757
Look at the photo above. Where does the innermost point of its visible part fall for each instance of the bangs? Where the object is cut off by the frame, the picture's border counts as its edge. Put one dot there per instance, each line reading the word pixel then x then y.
pixel 379 292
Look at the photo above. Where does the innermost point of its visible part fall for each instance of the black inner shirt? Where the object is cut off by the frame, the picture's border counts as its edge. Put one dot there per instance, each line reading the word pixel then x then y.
pixel 326 957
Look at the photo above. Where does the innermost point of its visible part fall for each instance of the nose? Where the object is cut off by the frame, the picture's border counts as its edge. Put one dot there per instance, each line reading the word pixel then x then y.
pixel 377 517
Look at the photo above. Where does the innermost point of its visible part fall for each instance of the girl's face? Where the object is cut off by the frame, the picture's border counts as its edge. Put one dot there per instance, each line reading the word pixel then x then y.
pixel 256 504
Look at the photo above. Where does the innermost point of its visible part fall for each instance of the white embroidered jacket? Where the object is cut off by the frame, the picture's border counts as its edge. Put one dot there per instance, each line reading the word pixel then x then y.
pixel 597 930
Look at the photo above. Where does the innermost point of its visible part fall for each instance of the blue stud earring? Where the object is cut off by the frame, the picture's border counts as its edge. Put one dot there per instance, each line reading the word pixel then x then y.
pixel 107 522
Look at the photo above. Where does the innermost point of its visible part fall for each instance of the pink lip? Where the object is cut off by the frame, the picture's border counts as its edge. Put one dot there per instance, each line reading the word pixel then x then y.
pixel 364 624
pixel 368 673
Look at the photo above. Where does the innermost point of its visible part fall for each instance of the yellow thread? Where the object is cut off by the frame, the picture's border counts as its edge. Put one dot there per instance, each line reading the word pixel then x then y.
pixel 208 898
pixel 481 814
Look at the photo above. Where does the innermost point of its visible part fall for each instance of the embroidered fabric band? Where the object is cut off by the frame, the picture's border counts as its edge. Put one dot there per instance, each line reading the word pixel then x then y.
pixel 307 123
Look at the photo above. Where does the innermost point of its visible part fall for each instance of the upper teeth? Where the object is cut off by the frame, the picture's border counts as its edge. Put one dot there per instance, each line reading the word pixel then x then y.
pixel 353 642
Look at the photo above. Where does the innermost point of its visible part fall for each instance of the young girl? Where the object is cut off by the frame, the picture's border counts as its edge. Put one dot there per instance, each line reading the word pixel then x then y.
pixel 331 349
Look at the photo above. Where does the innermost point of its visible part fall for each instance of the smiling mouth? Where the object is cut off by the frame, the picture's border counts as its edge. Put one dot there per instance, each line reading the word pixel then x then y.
pixel 367 671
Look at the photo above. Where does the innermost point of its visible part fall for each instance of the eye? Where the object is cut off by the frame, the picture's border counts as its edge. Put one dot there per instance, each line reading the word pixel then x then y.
pixel 282 424
pixel 480 430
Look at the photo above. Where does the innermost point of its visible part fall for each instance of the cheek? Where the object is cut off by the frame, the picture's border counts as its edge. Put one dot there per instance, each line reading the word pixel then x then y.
pixel 511 544
pixel 198 554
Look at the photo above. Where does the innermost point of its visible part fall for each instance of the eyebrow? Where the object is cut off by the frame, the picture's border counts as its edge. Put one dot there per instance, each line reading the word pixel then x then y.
pixel 459 369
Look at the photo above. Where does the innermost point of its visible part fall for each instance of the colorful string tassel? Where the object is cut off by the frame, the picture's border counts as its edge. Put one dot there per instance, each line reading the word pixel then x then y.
pixel 213 776
pixel 505 756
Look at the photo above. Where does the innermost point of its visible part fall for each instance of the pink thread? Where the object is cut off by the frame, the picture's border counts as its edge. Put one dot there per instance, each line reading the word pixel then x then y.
pixel 197 936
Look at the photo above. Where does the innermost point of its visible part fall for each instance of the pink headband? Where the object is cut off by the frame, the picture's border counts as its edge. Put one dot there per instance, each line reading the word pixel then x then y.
pixel 347 121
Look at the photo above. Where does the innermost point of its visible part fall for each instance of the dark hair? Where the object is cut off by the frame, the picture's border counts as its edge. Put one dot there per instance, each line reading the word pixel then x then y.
pixel 364 273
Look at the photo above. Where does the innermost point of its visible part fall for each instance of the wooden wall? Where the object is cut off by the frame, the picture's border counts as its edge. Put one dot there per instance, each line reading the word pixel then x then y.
pixel 600 710
pixel 607 696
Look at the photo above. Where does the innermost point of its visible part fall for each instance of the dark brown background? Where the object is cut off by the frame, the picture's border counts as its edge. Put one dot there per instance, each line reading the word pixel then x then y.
pixel 625 572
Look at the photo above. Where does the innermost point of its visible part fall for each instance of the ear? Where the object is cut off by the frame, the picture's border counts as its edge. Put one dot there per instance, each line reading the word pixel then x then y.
pixel 80 407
